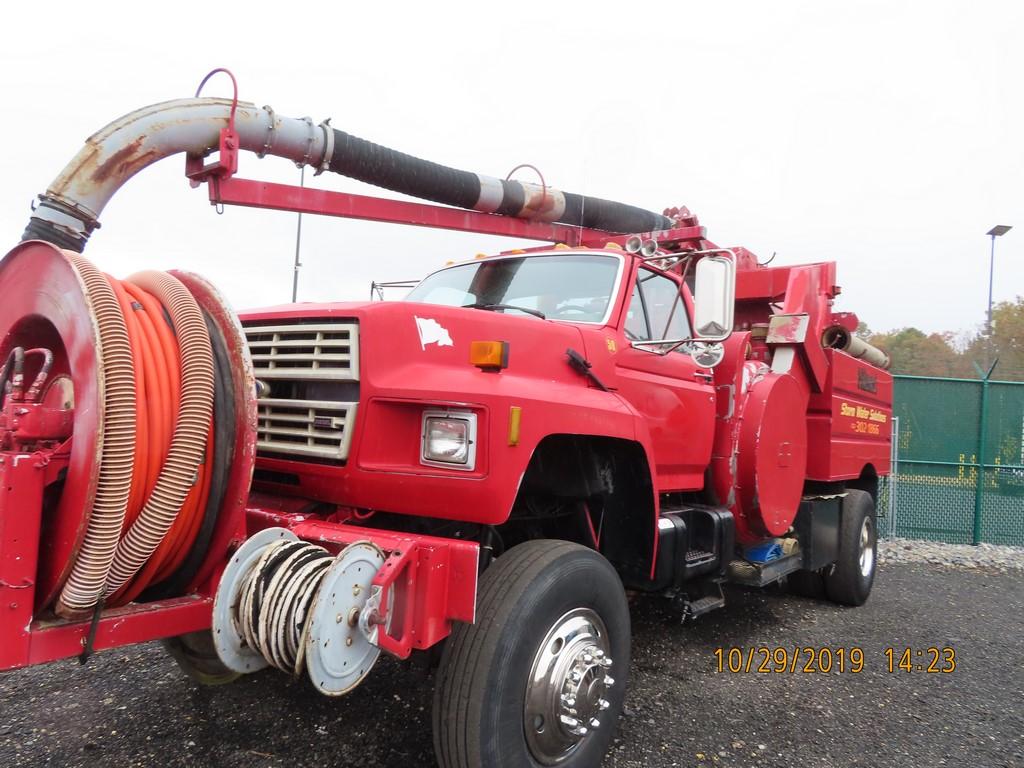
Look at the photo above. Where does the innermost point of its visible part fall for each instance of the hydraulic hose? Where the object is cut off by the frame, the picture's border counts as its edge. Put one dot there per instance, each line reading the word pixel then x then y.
pixel 70 208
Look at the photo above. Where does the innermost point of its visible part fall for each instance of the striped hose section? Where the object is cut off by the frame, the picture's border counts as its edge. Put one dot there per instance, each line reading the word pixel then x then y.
pixel 85 585
pixel 188 443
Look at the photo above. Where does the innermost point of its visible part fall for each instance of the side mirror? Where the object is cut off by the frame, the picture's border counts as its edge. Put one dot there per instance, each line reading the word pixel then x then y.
pixel 714 300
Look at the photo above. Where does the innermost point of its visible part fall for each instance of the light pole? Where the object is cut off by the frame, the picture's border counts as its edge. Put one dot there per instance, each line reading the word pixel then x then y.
pixel 997 231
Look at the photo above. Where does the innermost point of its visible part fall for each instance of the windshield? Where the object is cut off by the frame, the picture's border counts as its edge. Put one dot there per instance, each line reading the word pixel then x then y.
pixel 576 287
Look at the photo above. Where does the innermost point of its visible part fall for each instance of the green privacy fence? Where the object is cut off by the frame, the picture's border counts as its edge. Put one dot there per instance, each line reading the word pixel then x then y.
pixel 958 462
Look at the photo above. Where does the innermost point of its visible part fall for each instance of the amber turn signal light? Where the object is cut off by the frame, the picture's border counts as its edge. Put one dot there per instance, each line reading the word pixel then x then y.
pixel 489 355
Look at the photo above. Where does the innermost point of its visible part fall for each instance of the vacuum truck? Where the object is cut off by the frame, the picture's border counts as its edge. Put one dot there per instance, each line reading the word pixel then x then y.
pixel 482 471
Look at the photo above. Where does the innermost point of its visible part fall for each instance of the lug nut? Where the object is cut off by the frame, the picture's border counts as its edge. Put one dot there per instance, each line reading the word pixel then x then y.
pixel 569 722
pixel 595 723
pixel 609 680
pixel 603 704
pixel 568 700
pixel 587 658
pixel 575 676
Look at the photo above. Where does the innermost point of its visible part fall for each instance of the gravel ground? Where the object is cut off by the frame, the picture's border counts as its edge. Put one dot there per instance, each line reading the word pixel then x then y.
pixel 990 556
pixel 133 708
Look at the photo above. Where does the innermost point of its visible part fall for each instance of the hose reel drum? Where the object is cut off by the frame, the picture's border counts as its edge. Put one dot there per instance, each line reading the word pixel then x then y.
pixel 290 604
pixel 81 321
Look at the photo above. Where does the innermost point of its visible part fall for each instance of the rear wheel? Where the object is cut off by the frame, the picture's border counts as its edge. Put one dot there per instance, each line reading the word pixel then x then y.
pixel 539 679
pixel 850 580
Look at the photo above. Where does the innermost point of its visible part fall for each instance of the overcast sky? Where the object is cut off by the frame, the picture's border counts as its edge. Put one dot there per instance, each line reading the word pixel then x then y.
pixel 887 136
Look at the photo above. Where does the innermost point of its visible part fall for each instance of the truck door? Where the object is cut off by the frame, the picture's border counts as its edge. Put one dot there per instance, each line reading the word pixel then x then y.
pixel 671 392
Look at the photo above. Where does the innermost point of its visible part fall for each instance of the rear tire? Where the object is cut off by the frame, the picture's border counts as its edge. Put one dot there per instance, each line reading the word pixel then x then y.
pixel 515 689
pixel 850 580
pixel 806 584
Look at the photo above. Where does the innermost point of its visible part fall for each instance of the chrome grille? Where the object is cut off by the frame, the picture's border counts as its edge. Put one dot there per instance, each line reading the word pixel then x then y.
pixel 324 350
pixel 313 428
pixel 302 412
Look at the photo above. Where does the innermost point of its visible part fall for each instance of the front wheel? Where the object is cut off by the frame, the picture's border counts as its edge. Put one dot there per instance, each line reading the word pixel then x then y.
pixel 198 659
pixel 539 679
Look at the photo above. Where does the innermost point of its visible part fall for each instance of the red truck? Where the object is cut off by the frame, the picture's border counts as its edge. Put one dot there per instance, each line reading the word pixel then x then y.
pixel 487 467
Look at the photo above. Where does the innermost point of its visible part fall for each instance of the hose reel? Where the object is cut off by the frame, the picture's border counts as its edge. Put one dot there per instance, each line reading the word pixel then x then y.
pixel 153 377
pixel 292 605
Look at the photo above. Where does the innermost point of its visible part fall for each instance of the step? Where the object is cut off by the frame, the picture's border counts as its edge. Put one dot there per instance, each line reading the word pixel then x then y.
pixel 704 605
pixel 697 556
pixel 762 574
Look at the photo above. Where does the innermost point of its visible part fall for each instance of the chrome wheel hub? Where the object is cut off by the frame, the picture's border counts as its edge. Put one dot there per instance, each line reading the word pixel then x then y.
pixel 867 549
pixel 567 692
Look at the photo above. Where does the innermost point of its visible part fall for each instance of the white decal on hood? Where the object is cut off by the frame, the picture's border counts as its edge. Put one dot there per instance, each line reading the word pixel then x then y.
pixel 432 332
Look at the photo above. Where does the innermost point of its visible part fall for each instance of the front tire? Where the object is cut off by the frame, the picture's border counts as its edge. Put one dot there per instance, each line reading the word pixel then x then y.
pixel 540 678
pixel 850 581
pixel 197 658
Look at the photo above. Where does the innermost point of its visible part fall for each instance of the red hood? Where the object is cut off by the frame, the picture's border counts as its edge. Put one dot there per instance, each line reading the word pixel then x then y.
pixel 402 343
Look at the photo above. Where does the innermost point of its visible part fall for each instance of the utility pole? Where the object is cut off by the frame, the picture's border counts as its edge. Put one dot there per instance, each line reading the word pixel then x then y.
pixel 298 245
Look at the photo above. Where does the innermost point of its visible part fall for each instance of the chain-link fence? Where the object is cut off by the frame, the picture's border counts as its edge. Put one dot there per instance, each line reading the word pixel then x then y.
pixel 946 434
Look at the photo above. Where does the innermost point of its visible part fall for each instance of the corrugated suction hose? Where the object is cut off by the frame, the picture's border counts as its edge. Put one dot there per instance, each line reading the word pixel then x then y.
pixel 85 584
pixel 156 382
pixel 188 444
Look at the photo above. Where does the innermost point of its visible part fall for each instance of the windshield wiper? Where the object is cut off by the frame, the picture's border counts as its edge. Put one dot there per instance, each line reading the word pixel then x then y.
pixel 492 307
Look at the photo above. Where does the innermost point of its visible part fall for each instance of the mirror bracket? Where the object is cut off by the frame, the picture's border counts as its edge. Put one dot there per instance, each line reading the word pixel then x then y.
pixel 664 346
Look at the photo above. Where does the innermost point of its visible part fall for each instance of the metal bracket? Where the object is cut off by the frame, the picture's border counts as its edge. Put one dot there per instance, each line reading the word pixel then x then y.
pixel 227 161
pixel 370 618
pixel 669 344
pixel 309 143
pixel 325 161
pixel 269 141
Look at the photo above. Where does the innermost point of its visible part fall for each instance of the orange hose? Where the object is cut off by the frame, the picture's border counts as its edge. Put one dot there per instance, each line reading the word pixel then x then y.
pixel 158 405
pixel 164 402
pixel 136 496
pixel 168 342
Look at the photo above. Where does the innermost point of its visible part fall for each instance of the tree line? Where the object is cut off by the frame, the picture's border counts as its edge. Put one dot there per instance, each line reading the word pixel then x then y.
pixel 917 353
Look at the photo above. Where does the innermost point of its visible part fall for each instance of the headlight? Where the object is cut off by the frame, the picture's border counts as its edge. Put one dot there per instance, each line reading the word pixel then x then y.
pixel 449 439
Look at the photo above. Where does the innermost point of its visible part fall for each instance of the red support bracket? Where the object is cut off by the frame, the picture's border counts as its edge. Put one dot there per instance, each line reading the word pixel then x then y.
pixel 425 584
pixel 225 166
pixel 227 190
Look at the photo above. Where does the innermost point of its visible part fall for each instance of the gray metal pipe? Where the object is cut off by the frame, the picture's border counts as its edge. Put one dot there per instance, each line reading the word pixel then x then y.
pixel 72 204
pixel 838 337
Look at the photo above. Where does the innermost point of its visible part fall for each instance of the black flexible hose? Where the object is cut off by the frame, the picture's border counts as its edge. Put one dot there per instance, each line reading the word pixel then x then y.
pixel 383 167
pixel 371 163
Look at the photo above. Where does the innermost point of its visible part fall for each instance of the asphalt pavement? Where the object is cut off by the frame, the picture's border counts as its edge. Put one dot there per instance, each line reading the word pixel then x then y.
pixel 133 707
